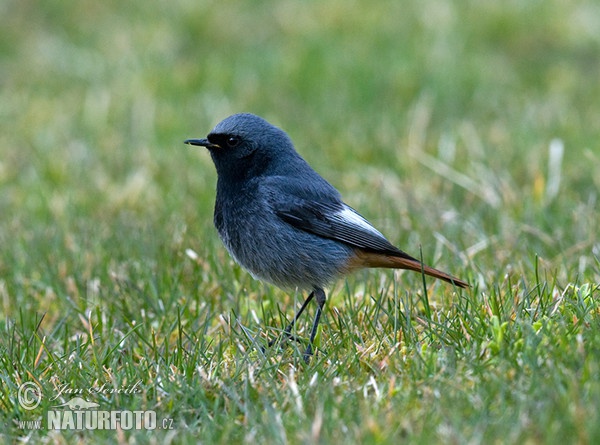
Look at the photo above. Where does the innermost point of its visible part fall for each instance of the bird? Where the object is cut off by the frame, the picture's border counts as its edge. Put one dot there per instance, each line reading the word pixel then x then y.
pixel 284 223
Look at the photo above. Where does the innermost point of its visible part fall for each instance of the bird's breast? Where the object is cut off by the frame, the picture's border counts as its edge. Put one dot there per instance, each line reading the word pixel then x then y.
pixel 274 251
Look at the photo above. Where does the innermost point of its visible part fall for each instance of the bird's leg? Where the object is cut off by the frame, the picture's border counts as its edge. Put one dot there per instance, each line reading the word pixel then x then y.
pixel 287 333
pixel 321 298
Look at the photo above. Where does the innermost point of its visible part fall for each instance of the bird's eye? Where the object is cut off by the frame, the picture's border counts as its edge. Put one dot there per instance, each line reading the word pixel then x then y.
pixel 233 141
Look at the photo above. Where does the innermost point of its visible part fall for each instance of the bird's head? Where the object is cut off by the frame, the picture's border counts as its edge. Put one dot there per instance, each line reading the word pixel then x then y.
pixel 244 145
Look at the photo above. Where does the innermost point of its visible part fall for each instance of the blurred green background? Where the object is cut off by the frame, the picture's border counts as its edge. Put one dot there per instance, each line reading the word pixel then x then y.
pixel 433 118
pixel 97 97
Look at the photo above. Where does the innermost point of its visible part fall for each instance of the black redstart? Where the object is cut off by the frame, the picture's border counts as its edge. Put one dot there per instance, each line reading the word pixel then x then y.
pixel 284 223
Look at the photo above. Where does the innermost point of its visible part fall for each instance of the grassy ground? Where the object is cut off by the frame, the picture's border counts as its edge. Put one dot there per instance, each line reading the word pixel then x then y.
pixel 466 129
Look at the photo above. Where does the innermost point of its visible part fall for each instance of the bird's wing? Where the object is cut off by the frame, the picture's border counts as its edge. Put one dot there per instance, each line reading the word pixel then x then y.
pixel 327 216
pixel 320 210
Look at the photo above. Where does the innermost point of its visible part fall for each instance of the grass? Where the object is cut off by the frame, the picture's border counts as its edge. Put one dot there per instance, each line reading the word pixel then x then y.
pixel 435 119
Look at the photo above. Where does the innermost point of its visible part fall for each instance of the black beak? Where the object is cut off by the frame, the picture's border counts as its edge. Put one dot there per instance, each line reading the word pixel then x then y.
pixel 201 142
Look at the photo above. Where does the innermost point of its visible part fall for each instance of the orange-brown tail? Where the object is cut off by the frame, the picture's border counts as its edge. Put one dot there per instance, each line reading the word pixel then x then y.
pixel 373 259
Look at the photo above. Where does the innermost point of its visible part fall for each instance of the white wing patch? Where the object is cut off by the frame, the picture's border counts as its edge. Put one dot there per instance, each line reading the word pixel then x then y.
pixel 350 216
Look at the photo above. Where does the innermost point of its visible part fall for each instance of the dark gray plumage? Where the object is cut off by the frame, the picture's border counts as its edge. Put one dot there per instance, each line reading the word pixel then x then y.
pixel 283 222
